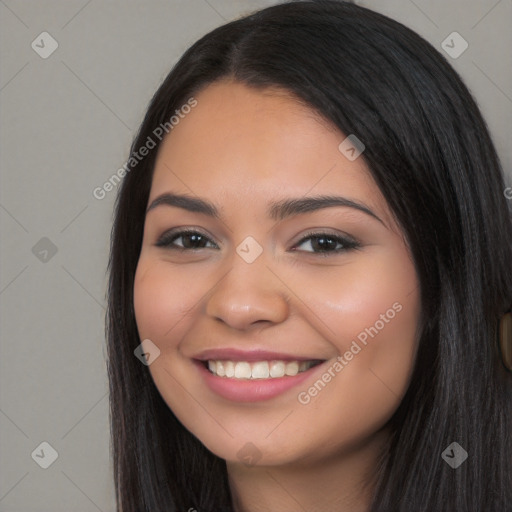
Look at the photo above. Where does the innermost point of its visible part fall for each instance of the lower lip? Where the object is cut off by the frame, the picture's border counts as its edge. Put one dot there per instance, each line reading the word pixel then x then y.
pixel 252 390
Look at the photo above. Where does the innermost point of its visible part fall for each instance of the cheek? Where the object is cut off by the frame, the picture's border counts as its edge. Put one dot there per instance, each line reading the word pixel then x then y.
pixel 372 313
pixel 362 300
pixel 369 311
pixel 162 299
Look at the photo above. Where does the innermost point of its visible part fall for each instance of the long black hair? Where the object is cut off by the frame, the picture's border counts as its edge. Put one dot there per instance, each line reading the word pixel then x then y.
pixel 429 150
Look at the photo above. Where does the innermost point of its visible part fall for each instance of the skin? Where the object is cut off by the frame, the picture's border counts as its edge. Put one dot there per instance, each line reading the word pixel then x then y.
pixel 241 148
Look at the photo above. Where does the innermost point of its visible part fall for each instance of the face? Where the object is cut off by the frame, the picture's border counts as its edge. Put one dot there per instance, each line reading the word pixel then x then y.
pixel 282 320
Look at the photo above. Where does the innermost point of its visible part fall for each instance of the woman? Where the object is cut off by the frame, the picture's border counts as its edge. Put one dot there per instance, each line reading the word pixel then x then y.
pixel 310 259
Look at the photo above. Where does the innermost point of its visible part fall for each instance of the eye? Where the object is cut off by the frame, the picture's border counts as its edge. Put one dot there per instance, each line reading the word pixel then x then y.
pixel 191 239
pixel 323 244
pixel 326 244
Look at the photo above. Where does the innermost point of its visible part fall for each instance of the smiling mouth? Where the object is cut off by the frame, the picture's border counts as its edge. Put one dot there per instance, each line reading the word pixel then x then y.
pixel 245 370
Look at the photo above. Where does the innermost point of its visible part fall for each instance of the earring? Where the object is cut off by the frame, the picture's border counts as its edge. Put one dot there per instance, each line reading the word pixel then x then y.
pixel 505 339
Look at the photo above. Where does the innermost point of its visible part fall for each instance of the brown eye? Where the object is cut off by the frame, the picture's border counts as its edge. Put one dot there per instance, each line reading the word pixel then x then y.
pixel 190 240
pixel 326 244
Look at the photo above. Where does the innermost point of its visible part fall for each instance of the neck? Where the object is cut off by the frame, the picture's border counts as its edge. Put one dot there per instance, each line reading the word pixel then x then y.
pixel 343 482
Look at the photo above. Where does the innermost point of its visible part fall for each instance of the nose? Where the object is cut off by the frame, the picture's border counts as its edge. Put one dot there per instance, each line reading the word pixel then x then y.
pixel 248 296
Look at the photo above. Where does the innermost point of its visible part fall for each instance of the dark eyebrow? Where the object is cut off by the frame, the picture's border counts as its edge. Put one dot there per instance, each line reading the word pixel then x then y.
pixel 278 210
pixel 192 204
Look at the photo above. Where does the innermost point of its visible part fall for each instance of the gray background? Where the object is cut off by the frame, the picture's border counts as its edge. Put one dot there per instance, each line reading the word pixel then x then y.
pixel 66 126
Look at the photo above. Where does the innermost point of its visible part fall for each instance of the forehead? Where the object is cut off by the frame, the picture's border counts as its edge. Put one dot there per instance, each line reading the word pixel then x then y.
pixel 243 144
pixel 232 121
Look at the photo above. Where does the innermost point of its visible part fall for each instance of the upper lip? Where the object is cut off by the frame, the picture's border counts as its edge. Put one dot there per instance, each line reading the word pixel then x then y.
pixel 233 354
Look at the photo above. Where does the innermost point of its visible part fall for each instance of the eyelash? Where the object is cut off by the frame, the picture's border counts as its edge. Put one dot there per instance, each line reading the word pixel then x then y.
pixel 349 244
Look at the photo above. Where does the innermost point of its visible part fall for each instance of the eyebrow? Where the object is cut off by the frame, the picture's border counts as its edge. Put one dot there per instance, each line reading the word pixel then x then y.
pixel 278 210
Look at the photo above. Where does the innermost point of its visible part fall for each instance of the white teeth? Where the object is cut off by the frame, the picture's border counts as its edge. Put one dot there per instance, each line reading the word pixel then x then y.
pixel 292 368
pixel 259 369
pixel 277 368
pixel 242 370
pixel 221 371
pixel 229 366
